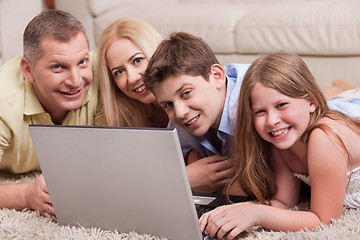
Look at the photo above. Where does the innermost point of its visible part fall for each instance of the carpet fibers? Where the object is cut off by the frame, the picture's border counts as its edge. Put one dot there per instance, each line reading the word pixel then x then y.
pixel 29 224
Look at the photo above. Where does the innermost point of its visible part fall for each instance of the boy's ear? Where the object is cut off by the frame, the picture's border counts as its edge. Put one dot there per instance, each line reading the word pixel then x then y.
pixel 26 69
pixel 217 73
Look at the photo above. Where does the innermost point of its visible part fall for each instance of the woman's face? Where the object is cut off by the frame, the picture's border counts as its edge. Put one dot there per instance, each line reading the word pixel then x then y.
pixel 127 63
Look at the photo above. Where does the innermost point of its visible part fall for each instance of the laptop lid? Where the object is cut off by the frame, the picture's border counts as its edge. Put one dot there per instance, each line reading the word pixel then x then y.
pixel 129 179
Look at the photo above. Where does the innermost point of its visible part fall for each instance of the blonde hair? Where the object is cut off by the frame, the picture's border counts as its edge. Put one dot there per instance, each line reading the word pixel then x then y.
pixel 288 74
pixel 119 109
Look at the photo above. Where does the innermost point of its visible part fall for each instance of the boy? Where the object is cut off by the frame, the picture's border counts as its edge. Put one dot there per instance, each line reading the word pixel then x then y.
pixel 200 98
pixel 51 84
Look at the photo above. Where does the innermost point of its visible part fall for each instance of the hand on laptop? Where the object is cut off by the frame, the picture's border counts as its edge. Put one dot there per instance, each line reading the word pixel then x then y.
pixel 230 220
pixel 38 197
pixel 209 174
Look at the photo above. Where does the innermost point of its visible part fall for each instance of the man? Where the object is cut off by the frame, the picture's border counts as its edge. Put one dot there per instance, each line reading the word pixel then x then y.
pixel 51 84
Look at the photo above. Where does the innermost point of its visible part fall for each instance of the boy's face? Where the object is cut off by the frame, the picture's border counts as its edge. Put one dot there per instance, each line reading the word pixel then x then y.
pixel 194 103
pixel 61 77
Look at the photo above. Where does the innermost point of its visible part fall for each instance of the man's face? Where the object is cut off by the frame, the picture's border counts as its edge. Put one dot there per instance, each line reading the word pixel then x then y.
pixel 61 77
pixel 192 103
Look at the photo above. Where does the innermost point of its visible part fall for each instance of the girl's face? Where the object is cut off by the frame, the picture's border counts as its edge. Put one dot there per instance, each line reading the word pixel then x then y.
pixel 127 63
pixel 279 119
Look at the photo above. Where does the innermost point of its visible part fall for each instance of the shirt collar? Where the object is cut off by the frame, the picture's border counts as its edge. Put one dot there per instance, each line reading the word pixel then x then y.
pixel 32 105
pixel 224 126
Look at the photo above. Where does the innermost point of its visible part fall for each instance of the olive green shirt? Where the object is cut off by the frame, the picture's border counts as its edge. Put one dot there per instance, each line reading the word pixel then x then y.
pixel 19 107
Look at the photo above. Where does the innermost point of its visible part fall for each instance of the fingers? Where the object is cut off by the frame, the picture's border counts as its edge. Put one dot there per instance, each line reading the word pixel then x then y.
pixel 215 220
pixel 48 210
pixel 44 204
pixel 203 221
pixel 209 174
pixel 235 232
pixel 222 166
pixel 230 220
pixel 39 198
pixel 42 191
pixel 215 158
pixel 42 184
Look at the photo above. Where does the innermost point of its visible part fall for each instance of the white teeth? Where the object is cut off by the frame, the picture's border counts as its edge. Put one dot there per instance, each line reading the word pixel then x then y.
pixel 280 132
pixel 192 120
pixel 140 89
pixel 71 93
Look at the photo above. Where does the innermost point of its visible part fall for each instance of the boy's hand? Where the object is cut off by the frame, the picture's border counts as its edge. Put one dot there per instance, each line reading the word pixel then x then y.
pixel 38 197
pixel 209 174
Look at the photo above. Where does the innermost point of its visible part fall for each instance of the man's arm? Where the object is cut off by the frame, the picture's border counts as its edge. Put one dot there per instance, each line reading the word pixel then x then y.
pixel 22 195
pixel 32 195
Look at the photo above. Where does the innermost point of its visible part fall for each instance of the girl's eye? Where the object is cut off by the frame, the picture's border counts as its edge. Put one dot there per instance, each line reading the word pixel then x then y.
pixel 281 105
pixel 258 112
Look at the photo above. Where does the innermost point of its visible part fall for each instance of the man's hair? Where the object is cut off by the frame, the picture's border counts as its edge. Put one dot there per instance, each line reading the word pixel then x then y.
pixel 183 53
pixel 57 24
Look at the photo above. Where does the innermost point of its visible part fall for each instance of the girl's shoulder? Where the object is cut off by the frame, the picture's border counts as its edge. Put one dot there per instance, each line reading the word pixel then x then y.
pixel 339 126
pixel 336 130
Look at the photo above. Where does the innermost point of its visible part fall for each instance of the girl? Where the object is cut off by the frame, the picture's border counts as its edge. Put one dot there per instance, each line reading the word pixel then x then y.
pixel 285 133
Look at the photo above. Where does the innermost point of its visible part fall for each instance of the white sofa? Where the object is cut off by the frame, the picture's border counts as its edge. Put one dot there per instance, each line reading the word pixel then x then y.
pixel 326 33
pixel 14 16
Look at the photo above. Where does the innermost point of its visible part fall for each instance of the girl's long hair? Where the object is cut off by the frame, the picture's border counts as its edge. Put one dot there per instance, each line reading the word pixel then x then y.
pixel 119 109
pixel 288 74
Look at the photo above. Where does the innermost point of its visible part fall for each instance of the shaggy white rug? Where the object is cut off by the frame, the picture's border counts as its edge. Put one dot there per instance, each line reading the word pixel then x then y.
pixel 29 224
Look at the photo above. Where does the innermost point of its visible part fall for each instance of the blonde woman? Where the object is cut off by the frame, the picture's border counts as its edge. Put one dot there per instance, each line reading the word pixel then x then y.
pixel 123 54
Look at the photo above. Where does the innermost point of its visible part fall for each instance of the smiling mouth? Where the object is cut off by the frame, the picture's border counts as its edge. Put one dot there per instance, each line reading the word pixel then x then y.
pixel 71 92
pixel 280 132
pixel 140 89
pixel 192 120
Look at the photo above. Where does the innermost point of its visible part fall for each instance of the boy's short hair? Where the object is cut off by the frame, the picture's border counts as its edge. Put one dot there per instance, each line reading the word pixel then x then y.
pixel 57 24
pixel 182 53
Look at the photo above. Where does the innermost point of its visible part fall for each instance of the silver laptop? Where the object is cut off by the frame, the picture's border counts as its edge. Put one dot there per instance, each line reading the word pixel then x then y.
pixel 118 178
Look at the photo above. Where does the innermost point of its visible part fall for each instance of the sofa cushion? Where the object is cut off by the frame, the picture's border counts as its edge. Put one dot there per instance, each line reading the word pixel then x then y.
pixel 215 28
pixel 0 44
pixel 304 27
pixel 97 7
